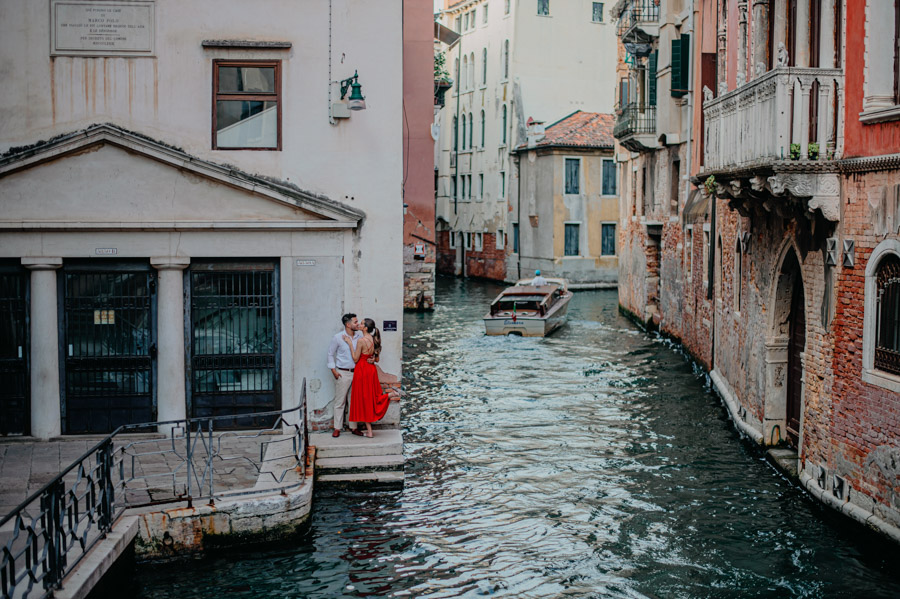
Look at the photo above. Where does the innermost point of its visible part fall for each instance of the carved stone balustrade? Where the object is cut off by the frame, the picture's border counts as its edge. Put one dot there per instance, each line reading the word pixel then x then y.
pixel 775 141
pixel 756 124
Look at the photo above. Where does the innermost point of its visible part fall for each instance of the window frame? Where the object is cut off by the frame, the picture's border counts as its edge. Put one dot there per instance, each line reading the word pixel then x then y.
pixel 516 239
pixel 737 275
pixel 478 244
pixel 566 161
pixel 546 5
pixel 593 6
pixel 502 185
pixel 249 97
pixel 468 240
pixel 689 252
pixel 499 240
pixel 871 375
pixel 452 240
pixel 615 174
pixel 614 225
pixel 566 225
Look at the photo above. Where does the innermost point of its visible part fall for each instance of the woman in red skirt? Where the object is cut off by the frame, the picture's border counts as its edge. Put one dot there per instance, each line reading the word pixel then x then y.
pixel 368 403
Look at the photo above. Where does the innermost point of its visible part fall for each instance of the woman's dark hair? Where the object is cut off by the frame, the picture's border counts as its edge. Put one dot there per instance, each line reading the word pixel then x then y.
pixel 376 335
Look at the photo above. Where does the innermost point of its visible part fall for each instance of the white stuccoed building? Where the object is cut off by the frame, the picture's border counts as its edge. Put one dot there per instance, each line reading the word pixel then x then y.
pixel 182 219
pixel 515 60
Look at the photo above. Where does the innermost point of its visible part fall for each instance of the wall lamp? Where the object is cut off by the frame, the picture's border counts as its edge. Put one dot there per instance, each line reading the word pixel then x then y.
pixel 356 101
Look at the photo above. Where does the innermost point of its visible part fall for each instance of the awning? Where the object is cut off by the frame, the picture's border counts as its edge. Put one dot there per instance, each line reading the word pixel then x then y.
pixel 697 207
pixel 445 34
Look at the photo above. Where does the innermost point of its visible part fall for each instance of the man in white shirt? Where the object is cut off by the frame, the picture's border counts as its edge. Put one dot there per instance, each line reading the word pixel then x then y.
pixel 340 361
pixel 538 280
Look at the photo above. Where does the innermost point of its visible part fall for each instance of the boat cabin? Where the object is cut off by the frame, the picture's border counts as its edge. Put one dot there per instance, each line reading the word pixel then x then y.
pixel 527 300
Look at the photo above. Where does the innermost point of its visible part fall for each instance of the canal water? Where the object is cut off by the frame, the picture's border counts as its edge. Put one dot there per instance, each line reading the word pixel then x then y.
pixel 593 463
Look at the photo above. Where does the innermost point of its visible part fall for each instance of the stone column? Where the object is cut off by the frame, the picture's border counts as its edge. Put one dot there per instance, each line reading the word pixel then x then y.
pixel 722 51
pixel 826 37
pixel 742 43
pixel 170 394
pixel 46 421
pixel 761 35
pixel 802 36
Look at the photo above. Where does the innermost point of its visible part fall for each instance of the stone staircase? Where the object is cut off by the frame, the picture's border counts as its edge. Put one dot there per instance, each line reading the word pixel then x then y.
pixel 351 460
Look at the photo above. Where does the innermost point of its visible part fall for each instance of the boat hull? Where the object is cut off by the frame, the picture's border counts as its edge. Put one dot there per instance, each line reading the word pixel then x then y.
pixel 529 326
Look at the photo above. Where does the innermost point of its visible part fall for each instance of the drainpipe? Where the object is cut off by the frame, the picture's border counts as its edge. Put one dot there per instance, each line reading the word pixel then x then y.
pixel 519 216
pixel 456 133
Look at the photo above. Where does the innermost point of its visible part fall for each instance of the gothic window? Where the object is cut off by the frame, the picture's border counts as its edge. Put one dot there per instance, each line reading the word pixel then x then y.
pixel 482 128
pixel 543 8
pixel 472 70
pixel 463 144
pixel 738 273
pixel 887 319
pixel 506 59
pixel 504 124
pixel 455 134
pixel 464 76
pixel 471 130
pixel 484 64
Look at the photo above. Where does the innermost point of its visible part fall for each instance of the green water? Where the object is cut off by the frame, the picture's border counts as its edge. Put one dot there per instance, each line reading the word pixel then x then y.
pixel 594 463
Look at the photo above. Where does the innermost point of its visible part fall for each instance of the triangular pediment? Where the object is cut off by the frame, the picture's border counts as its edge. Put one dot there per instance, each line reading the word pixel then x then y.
pixel 106 177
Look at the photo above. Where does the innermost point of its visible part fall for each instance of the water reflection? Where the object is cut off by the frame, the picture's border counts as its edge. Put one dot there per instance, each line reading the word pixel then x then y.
pixel 591 463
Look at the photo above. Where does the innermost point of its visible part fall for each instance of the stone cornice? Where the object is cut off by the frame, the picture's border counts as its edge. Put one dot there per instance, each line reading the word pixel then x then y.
pixel 870 163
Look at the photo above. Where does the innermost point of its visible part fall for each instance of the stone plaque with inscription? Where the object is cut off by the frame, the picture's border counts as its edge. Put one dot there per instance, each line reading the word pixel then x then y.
pixel 102 28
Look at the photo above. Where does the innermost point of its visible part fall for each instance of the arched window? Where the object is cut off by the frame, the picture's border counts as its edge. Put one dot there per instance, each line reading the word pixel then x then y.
pixel 721 262
pixel 456 72
pixel 463 77
pixel 504 123
pixel 455 134
pixel 482 128
pixel 738 273
pixel 484 61
pixel 472 70
pixel 471 131
pixel 887 315
pixel 463 142
pixel 506 59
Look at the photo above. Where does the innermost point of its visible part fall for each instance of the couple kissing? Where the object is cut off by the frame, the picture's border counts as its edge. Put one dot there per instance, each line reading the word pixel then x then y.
pixel 352 355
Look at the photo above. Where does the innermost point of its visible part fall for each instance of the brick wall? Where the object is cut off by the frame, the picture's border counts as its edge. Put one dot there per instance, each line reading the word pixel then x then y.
pixel 446 258
pixel 489 263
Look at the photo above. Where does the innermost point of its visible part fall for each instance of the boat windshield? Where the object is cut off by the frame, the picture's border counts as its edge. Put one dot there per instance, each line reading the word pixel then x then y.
pixel 522 305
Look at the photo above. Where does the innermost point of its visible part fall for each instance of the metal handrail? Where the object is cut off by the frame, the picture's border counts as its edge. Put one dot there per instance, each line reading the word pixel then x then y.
pixel 635 119
pixel 49 533
pixel 639 11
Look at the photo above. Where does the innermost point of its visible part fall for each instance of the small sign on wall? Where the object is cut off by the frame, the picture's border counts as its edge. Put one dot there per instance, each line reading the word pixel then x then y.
pixel 389 325
pixel 419 251
pixel 105 28
pixel 106 251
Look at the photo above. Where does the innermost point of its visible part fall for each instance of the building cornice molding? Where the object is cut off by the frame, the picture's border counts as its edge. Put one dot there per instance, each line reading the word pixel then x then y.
pixel 870 163
pixel 336 215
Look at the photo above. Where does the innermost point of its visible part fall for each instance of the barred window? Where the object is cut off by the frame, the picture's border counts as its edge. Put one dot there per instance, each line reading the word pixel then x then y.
pixel 887 341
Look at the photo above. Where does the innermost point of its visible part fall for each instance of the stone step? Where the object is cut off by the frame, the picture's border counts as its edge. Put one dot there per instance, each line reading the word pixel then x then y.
pixel 357 478
pixel 385 442
pixel 375 463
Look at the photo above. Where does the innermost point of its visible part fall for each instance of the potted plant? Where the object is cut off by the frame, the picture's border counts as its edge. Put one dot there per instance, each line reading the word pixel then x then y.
pixel 795 151
pixel 442 80
pixel 812 150
pixel 710 184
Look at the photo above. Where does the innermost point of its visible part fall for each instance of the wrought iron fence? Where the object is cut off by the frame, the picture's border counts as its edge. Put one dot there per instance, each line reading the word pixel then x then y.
pixel 46 536
pixel 636 13
pixel 635 119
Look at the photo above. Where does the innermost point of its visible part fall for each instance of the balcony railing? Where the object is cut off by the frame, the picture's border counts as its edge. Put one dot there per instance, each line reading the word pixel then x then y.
pixel 635 119
pixel 788 113
pixel 636 14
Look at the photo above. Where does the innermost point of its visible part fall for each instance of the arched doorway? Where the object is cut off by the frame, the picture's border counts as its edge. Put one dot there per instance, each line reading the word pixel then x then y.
pixel 785 345
pixel 796 346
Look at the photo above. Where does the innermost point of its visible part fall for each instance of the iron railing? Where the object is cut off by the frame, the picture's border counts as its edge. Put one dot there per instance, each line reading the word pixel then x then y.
pixel 635 119
pixel 46 536
pixel 638 12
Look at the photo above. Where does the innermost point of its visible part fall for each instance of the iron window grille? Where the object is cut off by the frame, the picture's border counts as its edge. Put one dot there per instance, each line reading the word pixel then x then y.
pixel 887 341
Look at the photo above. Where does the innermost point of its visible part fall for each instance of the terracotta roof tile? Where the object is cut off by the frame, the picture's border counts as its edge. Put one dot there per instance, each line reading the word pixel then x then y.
pixel 580 130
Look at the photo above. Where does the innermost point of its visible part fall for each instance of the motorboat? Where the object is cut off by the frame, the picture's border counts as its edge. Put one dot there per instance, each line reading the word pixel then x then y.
pixel 528 310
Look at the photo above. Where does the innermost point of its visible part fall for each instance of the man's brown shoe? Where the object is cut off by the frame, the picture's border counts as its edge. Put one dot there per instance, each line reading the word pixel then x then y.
pixel 357 432
pixel 336 433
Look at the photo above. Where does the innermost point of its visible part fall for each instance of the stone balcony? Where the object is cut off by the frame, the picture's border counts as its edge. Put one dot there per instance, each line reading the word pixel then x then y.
pixel 638 21
pixel 777 136
pixel 635 127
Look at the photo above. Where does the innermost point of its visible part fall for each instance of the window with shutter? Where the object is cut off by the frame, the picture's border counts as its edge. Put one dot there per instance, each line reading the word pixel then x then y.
pixel 681 53
pixel 651 78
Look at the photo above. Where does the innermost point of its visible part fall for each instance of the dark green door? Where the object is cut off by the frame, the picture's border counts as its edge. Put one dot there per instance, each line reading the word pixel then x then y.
pixel 234 323
pixel 14 407
pixel 109 347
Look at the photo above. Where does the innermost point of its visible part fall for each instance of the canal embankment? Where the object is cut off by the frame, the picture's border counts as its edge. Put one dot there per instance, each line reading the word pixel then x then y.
pixel 830 493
